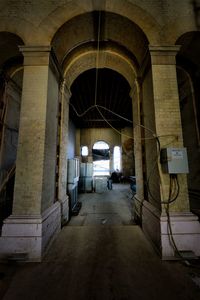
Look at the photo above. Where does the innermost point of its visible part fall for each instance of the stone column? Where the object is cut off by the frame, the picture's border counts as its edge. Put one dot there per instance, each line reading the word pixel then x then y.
pixel 136 103
pixel 64 123
pixel 35 216
pixel 186 229
pixel 111 167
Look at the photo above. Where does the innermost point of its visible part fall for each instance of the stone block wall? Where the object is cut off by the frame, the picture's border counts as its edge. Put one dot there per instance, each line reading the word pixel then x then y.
pixel 151 153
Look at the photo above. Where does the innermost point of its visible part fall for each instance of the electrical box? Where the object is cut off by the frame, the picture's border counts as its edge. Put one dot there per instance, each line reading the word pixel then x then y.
pixel 174 160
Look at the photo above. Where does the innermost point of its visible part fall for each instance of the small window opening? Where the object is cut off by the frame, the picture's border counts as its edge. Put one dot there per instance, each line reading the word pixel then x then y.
pixel 84 151
pixel 117 158
pixel 101 159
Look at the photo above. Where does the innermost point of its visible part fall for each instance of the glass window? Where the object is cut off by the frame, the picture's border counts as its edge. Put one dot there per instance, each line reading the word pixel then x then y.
pixel 117 158
pixel 101 159
pixel 84 151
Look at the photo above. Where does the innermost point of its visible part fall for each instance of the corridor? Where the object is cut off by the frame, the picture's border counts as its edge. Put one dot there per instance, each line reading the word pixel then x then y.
pixel 113 207
pixel 101 255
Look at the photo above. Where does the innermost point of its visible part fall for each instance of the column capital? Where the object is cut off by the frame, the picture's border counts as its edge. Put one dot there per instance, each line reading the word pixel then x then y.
pixel 41 56
pixel 35 55
pixel 163 55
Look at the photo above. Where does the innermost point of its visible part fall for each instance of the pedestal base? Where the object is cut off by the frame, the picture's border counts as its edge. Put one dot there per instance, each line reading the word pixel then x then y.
pixel 64 210
pixel 30 235
pixel 185 230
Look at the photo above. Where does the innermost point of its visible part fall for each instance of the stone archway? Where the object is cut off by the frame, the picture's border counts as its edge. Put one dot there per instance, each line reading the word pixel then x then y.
pixel 74 68
pixel 11 74
pixel 92 48
pixel 123 46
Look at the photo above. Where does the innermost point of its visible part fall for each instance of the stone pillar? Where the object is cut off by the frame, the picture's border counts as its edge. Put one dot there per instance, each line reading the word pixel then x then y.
pixel 136 103
pixel 111 167
pixel 35 216
pixel 64 123
pixel 185 226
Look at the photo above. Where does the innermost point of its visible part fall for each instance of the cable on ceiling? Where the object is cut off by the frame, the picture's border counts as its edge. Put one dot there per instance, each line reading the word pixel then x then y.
pixel 97 58
pixel 154 136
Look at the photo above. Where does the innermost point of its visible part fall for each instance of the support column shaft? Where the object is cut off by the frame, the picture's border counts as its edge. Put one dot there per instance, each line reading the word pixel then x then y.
pixel 185 225
pixel 35 217
pixel 64 124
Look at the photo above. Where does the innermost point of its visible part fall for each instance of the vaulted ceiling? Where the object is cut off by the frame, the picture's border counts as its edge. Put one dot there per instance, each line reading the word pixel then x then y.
pixel 110 91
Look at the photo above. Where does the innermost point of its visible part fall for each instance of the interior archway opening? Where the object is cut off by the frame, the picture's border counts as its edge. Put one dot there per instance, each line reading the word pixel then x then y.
pixel 100 114
pixel 188 70
pixel 11 77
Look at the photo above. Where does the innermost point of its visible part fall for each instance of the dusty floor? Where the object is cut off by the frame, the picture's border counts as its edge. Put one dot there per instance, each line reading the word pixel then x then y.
pixel 100 255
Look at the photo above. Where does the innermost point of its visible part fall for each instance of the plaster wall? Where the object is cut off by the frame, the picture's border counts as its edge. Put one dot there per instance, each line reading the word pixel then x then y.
pixel 90 136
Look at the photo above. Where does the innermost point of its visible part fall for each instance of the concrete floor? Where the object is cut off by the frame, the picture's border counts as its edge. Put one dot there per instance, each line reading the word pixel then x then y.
pixel 113 207
pixel 101 255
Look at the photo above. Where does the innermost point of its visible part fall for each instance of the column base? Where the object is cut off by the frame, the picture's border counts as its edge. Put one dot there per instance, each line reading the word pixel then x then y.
pixel 186 234
pixel 30 235
pixel 185 228
pixel 64 210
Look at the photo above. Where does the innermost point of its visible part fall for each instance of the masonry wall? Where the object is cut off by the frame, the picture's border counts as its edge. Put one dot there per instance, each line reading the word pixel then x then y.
pixel 90 136
pixel 51 143
pixel 128 159
pixel 71 140
pixel 150 154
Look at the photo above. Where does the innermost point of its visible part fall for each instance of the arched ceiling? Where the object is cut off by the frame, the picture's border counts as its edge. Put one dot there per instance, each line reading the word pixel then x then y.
pixel 9 51
pixel 109 91
pixel 136 12
pixel 106 58
pixel 107 44
pixel 36 22
pixel 190 47
pixel 103 26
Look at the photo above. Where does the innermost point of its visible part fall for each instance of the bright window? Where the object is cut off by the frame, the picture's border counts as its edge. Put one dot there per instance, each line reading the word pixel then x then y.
pixel 101 159
pixel 117 158
pixel 101 167
pixel 84 151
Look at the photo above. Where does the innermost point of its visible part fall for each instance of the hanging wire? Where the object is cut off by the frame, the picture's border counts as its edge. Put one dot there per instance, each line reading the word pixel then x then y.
pixel 85 112
pixel 114 113
pixel 111 124
pixel 97 106
pixel 97 59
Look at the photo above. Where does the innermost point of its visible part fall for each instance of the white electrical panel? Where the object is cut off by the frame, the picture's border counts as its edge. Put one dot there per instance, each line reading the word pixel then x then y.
pixel 174 160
